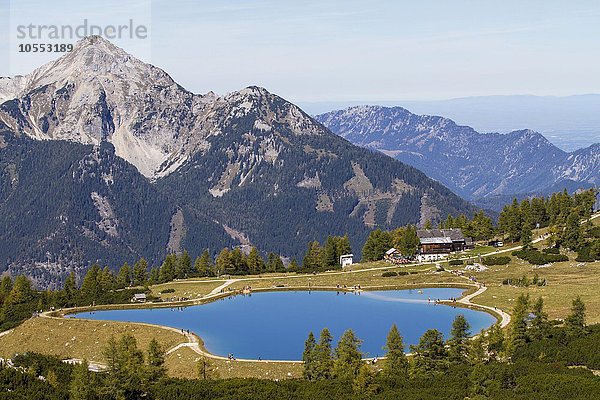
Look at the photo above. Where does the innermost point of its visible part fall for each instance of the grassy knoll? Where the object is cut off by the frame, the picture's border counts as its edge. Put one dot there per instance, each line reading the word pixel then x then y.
pixel 183 363
pixel 72 338
pixel 184 288
pixel 566 280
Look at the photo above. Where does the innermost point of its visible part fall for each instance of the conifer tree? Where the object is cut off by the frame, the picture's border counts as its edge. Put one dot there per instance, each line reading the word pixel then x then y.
pixel 539 325
pixel 459 340
pixel 155 367
pixel 329 257
pixel 348 356
pixel 70 289
pixel 203 264
pixel 518 324
pixel 140 272
pixel 312 258
pixel 396 362
pixel 223 263
pixel 255 262
pixel 82 387
pixel 363 385
pixel 575 322
pixel 323 356
pixel 309 358
pixel 90 289
pixel 167 269
pixel 124 276
pixel 430 354
pixel 572 235
pixel 183 267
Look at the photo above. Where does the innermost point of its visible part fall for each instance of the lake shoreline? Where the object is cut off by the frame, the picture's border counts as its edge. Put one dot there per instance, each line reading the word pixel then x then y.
pixel 195 342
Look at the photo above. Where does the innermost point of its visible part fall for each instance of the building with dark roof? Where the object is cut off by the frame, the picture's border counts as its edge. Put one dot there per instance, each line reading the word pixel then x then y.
pixel 436 244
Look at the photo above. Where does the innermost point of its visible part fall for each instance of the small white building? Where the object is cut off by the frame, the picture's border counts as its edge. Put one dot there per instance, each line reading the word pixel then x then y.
pixel 139 298
pixel 346 260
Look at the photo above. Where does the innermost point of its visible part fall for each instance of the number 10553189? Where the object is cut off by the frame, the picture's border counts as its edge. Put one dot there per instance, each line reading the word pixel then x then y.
pixel 45 48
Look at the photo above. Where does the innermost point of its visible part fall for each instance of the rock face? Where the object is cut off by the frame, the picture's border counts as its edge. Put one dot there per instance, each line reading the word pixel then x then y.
pixel 472 164
pixel 247 168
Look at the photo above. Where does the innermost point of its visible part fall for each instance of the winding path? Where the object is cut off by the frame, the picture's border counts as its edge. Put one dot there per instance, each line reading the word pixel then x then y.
pixel 504 316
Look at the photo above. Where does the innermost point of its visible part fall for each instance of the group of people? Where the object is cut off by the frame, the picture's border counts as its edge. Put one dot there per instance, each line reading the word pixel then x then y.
pixel 230 357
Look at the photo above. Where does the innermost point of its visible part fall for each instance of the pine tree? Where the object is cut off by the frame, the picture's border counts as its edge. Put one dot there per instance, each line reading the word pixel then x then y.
pixel 396 363
pixel 459 340
pixel 363 385
pixel 526 234
pixel 572 235
pixel 482 226
pixel 155 368
pixel 312 258
pixel 154 276
pixel 255 262
pixel 167 269
pixel 518 324
pixel 495 341
pixel 329 257
pixel 348 356
pixel 274 263
pixel 223 263
pixel 124 276
pixel 343 246
pixel 183 267
pixel 539 325
pixel 430 354
pixel 575 322
pixel 90 289
pixel 140 272
pixel 323 356
pixel 106 280
pixel 81 387
pixel 376 245
pixel 70 289
pixel 309 358
pixel 409 241
pixel 294 267
pixel 203 264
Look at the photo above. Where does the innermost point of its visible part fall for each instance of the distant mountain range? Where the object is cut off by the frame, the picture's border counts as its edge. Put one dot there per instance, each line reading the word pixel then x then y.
pixel 474 165
pixel 569 122
pixel 105 158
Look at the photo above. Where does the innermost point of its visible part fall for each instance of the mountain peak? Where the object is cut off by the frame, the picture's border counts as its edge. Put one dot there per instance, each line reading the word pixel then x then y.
pixel 98 43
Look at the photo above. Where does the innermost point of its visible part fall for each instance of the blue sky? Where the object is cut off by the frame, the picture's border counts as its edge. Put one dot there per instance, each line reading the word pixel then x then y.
pixel 354 50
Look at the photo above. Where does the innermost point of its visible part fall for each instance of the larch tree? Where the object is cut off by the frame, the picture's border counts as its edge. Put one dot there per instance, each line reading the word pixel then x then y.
pixel 348 357
pixel 309 358
pixel 575 322
pixel 323 356
pixel 395 364
pixel 459 340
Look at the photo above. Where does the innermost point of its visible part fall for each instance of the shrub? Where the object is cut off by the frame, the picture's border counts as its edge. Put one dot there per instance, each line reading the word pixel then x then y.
pixel 551 250
pixel 502 260
pixel 538 258
pixel 169 290
pixel 456 262
pixel 388 274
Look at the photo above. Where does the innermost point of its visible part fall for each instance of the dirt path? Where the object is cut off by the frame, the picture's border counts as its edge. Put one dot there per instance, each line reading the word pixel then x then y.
pixel 505 317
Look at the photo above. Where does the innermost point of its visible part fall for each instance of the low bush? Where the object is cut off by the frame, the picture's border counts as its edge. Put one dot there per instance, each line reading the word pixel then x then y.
pixel 456 262
pixel 551 250
pixel 169 290
pixel 538 258
pixel 502 260
pixel 388 274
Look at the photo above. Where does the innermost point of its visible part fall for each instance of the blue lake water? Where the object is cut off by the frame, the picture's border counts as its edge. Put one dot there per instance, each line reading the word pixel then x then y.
pixel 274 325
